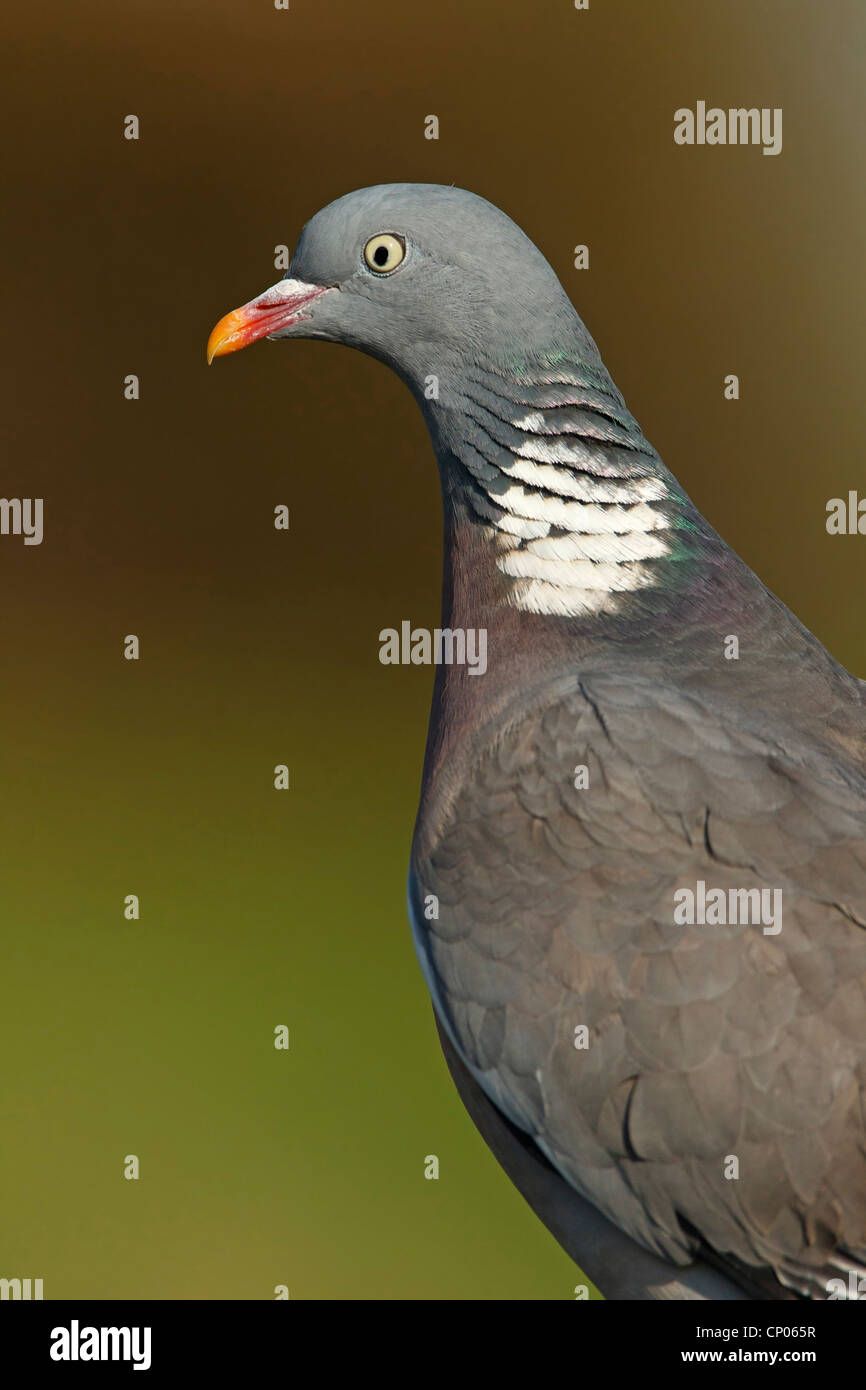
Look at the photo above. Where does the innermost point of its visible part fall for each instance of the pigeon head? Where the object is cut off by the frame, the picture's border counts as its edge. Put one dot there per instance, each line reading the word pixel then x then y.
pixel 547 478
pixel 415 275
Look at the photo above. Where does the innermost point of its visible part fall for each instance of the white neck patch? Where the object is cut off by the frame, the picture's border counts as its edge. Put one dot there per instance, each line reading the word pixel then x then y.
pixel 572 542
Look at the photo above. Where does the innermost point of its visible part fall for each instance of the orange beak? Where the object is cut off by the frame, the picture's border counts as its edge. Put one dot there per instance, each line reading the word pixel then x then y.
pixel 283 304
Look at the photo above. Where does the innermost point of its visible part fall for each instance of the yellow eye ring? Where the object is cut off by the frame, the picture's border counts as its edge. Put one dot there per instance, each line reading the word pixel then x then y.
pixel 383 253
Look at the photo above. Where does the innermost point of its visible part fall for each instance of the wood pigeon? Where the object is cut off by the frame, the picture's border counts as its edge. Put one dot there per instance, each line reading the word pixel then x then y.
pixel 638 876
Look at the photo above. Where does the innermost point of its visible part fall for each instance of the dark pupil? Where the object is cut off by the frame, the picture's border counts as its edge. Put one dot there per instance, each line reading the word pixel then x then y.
pixel 380 255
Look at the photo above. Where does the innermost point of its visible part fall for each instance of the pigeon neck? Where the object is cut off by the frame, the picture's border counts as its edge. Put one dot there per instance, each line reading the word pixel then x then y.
pixel 576 513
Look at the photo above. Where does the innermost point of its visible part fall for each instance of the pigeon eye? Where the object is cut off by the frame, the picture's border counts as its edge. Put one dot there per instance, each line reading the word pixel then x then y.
pixel 383 253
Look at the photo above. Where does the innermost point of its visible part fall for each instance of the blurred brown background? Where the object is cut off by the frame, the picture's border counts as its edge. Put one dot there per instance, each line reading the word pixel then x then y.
pixel 155 777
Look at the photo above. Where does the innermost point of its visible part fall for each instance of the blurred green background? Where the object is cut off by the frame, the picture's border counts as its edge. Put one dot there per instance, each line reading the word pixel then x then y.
pixel 154 777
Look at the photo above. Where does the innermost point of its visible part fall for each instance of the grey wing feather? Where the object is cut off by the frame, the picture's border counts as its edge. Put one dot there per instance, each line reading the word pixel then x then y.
pixel 713 1050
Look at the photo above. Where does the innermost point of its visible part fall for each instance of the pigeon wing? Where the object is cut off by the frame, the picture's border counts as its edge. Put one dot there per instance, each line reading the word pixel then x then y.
pixel 697 1083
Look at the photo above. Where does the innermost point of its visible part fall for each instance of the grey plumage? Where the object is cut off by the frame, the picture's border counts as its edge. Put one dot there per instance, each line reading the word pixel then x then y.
pixel 608 600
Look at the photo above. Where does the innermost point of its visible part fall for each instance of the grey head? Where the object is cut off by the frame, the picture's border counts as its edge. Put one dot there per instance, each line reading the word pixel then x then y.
pixel 543 468
pixel 420 275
